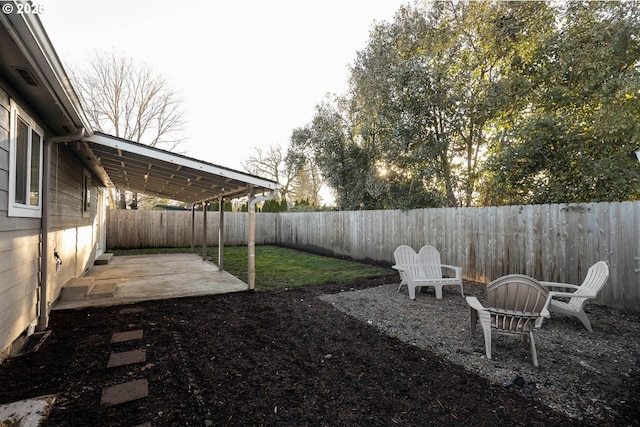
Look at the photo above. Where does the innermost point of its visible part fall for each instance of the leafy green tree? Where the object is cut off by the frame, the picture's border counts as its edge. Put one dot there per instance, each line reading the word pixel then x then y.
pixel 274 206
pixel 425 96
pixel 432 85
pixel 227 206
pixel 344 164
pixel 464 103
pixel 571 137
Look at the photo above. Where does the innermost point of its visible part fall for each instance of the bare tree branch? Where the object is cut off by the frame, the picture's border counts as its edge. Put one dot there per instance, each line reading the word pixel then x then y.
pixel 129 101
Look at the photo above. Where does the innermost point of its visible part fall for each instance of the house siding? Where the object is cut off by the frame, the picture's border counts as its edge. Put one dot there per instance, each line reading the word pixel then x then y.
pixel 72 231
pixel 71 235
pixel 19 252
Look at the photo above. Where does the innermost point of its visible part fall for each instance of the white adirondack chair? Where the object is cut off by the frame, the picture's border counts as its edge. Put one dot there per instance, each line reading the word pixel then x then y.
pixel 516 305
pixel 593 283
pixel 424 269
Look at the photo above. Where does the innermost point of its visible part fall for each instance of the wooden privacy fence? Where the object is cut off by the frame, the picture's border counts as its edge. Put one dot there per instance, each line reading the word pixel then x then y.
pixel 556 242
pixel 133 229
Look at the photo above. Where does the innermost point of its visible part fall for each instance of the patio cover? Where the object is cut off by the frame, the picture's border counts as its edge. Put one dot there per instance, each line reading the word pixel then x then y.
pixel 139 168
pixel 148 170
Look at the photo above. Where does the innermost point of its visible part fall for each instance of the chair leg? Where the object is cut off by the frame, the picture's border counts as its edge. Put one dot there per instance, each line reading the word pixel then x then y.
pixel 438 291
pixel 487 340
pixel 474 320
pixel 403 282
pixel 584 319
pixel 534 354
pixel 485 323
pixel 412 290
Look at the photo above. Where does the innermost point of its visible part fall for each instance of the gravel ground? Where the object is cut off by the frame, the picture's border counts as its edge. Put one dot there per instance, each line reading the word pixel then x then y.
pixel 586 375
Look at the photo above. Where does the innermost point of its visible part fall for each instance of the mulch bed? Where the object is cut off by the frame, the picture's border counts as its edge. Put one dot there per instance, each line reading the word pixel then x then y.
pixel 257 358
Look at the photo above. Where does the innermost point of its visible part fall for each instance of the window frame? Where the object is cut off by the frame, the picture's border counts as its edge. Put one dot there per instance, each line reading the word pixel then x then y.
pixel 27 209
pixel 86 192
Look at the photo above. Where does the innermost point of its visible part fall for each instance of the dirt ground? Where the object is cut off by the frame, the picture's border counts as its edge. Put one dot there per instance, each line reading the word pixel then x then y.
pixel 277 358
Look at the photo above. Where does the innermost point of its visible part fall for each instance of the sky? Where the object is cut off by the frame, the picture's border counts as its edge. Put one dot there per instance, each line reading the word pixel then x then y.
pixel 248 72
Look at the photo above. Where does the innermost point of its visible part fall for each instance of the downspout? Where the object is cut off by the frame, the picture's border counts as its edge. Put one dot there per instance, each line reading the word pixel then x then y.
pixel 252 235
pixel 43 311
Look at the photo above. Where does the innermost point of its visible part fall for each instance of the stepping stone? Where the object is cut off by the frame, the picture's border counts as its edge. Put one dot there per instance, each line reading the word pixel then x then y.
pixel 132 310
pixel 76 289
pixel 126 336
pixel 125 392
pixel 127 358
pixel 103 259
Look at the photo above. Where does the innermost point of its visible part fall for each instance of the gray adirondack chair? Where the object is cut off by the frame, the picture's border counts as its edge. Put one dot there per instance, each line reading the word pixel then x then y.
pixel 425 269
pixel 516 305
pixel 593 283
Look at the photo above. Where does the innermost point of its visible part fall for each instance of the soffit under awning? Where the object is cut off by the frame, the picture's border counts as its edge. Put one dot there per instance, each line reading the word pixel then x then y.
pixel 147 170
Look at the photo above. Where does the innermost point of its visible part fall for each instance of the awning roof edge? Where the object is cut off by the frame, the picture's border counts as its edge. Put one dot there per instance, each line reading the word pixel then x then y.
pixel 149 170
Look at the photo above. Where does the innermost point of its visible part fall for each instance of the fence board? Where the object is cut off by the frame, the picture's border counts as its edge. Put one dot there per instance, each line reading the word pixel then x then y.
pixel 556 242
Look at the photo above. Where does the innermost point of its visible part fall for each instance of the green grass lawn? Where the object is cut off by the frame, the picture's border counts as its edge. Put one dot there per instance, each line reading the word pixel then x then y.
pixel 278 267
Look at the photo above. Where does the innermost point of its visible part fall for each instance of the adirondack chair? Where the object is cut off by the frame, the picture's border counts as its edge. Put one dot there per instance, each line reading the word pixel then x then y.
pixel 424 269
pixel 516 305
pixel 595 280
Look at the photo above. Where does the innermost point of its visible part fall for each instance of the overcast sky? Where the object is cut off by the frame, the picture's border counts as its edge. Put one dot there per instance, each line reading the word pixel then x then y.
pixel 249 72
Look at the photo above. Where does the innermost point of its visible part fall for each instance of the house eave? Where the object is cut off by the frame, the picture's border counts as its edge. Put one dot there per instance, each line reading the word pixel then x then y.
pixel 148 170
pixel 29 35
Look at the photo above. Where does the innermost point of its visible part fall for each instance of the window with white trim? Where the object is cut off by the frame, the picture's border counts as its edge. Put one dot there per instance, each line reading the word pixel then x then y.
pixel 25 167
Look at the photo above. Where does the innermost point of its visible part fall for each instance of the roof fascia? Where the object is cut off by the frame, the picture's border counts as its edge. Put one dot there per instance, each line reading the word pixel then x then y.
pixel 30 36
pixel 179 160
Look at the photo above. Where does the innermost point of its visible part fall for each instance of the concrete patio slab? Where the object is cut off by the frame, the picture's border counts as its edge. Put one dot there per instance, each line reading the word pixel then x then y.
pixel 152 277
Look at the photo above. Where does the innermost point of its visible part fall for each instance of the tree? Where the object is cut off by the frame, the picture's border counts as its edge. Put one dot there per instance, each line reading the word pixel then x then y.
pixel 425 96
pixel 299 181
pixel 570 139
pixel 464 103
pixel 129 101
pixel 327 143
pixel 308 180
pixel 430 86
pixel 270 164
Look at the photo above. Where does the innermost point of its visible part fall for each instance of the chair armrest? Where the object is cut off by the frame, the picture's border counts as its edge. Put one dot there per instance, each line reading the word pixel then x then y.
pixel 553 294
pixel 559 285
pixel 399 267
pixel 458 270
pixel 544 314
pixel 475 304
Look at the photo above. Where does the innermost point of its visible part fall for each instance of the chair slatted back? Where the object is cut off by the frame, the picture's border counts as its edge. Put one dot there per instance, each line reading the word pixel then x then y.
pixel 515 302
pixel 406 257
pixel 595 280
pixel 431 265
